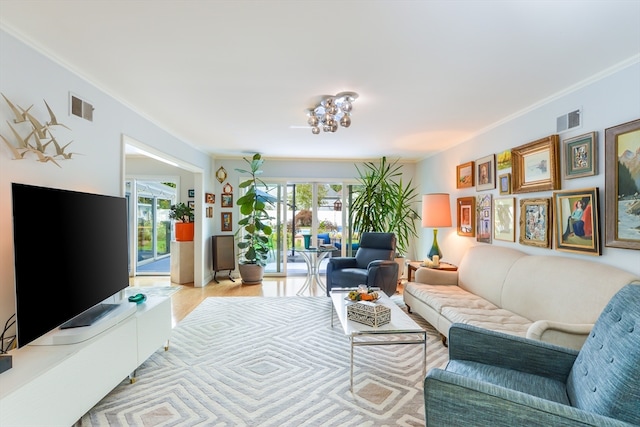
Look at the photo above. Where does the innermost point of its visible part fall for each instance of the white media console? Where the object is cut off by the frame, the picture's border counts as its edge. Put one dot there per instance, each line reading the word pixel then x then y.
pixel 56 384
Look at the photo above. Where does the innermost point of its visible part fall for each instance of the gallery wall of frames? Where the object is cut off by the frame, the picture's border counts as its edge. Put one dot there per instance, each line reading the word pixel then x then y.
pixel 564 220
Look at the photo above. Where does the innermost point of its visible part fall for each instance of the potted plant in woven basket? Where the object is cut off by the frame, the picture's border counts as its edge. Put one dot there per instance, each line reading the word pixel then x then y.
pixel 183 215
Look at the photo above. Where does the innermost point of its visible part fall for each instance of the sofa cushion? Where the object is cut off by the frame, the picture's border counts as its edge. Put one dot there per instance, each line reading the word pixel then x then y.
pixel 489 317
pixel 439 297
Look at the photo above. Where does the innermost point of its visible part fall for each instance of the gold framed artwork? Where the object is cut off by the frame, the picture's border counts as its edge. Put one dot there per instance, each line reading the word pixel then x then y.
pixel 483 218
pixel 622 207
pixel 575 221
pixel 221 174
pixel 504 183
pixel 486 173
pixel 464 175
pixel 225 221
pixel 209 212
pixel 535 222
pixel 504 223
pixel 580 155
pixel 466 210
pixel 535 166
pixel 504 160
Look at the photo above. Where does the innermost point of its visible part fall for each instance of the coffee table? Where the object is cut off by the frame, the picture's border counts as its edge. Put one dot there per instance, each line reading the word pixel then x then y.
pixel 360 334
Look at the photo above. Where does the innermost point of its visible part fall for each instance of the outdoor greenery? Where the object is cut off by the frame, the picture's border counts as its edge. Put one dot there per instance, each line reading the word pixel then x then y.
pixel 384 203
pixel 255 229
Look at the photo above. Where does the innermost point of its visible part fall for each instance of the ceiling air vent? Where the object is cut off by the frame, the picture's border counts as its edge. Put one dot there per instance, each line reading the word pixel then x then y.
pixel 81 108
pixel 569 121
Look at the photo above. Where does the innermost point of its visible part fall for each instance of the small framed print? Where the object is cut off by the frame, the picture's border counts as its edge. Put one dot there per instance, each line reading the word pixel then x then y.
pixel 575 221
pixel 209 198
pixel 225 221
pixel 504 160
pixel 191 204
pixel 466 214
pixel 535 166
pixel 464 175
pixel 228 189
pixel 504 223
pixel 226 201
pixel 210 212
pixel 486 173
pixel 221 174
pixel 580 155
pixel 192 192
pixel 535 222
pixel 504 182
pixel 483 219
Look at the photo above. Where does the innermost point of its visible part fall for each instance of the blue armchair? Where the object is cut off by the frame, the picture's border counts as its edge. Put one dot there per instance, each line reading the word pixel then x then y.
pixel 373 265
pixel 494 379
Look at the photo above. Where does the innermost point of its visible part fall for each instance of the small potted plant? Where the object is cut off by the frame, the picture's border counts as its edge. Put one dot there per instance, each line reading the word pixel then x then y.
pixel 253 234
pixel 183 215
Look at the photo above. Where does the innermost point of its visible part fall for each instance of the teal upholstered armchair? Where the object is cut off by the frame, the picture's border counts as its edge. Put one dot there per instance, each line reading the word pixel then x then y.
pixel 494 379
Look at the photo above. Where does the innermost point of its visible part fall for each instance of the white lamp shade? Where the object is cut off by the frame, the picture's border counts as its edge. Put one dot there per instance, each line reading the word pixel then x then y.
pixel 436 210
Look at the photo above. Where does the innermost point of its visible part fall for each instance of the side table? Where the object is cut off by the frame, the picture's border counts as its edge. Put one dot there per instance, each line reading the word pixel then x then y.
pixel 414 265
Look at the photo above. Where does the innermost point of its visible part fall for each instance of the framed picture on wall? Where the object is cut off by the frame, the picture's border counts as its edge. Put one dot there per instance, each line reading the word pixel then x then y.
pixel 622 221
pixel 226 201
pixel 535 222
pixel 209 198
pixel 504 223
pixel 576 221
pixel 580 155
pixel 483 218
pixel 192 192
pixel 466 214
pixel 464 175
pixel 226 223
pixel 486 173
pixel 504 183
pixel 535 166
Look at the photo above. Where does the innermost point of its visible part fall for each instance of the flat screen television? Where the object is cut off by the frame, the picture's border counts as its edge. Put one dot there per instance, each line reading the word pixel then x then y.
pixel 71 255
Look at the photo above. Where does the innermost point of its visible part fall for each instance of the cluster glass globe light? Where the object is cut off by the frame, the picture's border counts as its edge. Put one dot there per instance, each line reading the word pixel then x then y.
pixel 330 112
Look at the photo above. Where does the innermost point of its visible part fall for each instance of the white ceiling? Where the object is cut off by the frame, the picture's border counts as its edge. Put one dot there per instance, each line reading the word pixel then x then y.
pixel 234 77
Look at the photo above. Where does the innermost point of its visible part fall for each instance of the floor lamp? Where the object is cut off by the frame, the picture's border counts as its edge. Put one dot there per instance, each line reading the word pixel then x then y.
pixel 436 212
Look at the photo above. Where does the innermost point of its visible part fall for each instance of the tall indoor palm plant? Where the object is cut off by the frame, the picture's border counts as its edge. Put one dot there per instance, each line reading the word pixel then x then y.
pixel 385 203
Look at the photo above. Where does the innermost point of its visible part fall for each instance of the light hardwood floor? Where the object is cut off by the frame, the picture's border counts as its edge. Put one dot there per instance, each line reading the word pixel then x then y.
pixel 188 298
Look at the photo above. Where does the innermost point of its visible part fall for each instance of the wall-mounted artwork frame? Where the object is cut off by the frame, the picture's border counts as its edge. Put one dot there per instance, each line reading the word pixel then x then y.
pixel 464 175
pixel 580 155
pixel 622 221
pixel 535 222
pixel 483 218
pixel 504 183
pixel 191 204
pixel 504 222
pixel 486 173
pixel 226 223
pixel 226 201
pixel 535 166
pixel 221 174
pixel 209 198
pixel 503 160
pixel 575 221
pixel 192 192
pixel 466 215
pixel 209 212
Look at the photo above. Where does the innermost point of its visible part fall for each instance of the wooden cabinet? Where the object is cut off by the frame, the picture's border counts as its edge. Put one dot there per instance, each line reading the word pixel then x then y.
pixel 223 254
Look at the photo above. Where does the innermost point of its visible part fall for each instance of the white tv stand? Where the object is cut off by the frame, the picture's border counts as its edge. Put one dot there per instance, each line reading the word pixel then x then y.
pixel 57 384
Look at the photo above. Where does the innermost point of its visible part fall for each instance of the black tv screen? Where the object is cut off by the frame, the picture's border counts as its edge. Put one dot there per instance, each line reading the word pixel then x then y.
pixel 70 253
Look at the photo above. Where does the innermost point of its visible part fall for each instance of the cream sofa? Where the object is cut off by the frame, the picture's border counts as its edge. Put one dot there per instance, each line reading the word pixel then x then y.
pixel 549 298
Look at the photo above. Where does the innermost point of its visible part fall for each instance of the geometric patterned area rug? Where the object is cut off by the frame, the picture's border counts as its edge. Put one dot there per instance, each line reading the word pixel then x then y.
pixel 271 361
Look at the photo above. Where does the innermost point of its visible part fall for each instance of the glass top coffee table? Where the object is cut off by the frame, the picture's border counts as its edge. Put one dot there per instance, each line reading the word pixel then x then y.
pixel 360 334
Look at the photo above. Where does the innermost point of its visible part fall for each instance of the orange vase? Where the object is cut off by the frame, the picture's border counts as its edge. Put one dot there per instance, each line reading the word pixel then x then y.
pixel 184 231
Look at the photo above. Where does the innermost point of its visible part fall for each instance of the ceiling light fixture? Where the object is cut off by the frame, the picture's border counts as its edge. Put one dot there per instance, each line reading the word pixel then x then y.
pixel 331 111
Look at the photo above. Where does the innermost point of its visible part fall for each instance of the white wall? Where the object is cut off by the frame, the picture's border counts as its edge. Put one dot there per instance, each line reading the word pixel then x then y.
pixel 28 77
pixel 607 102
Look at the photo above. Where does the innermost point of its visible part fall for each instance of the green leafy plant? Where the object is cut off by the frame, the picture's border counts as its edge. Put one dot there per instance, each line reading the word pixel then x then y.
pixel 181 212
pixel 384 203
pixel 255 229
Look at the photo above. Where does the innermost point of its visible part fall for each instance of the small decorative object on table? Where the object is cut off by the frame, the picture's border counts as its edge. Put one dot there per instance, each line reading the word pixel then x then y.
pixel 369 313
pixel 363 293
